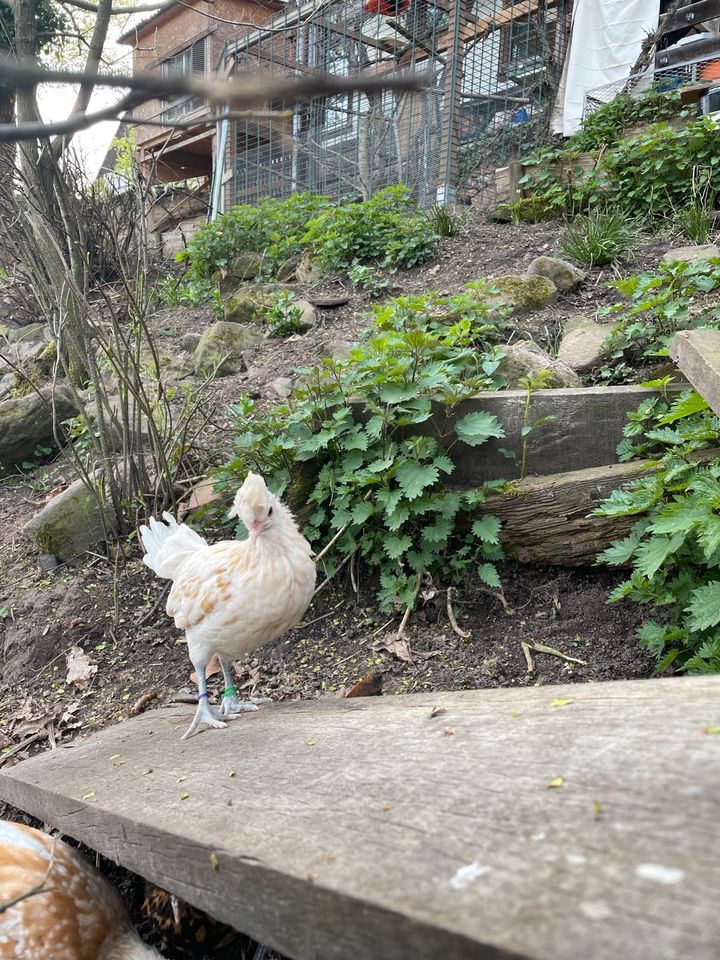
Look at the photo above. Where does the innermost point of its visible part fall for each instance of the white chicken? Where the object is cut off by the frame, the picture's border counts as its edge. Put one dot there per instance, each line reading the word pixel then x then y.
pixel 236 595
pixel 55 906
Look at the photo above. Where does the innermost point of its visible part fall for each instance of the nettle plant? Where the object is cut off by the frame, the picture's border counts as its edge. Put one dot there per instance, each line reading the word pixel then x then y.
pixel 662 302
pixel 674 548
pixel 367 443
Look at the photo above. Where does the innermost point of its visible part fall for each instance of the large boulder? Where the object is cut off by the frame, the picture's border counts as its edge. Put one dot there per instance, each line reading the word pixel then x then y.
pixel 245 266
pixel 222 349
pixel 526 359
pixel 692 254
pixel 522 294
pixel 582 344
pixel 562 273
pixel 26 422
pixel 247 305
pixel 71 522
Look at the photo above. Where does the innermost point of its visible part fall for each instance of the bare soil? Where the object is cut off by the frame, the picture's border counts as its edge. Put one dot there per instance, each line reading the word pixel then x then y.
pixel 110 609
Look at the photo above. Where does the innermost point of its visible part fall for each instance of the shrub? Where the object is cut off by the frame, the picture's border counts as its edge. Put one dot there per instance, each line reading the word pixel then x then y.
pixel 662 302
pixel 674 547
pixel 350 445
pixel 284 317
pixel 602 237
pixel 605 125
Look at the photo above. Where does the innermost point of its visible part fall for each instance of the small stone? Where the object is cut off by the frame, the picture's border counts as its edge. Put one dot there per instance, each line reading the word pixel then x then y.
pixel 27 421
pixel 581 347
pixel 525 359
pixel 522 294
pixel 188 342
pixel 308 314
pixel 692 254
pixel 337 349
pixel 222 348
pixel 245 266
pixel 288 270
pixel 48 562
pixel 562 273
pixel 280 387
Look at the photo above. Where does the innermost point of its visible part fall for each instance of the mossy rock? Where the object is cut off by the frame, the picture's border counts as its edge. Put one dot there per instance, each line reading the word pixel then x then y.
pixel 563 274
pixel 222 348
pixel 526 359
pixel 26 422
pixel 71 523
pixel 246 266
pixel 247 305
pixel 523 294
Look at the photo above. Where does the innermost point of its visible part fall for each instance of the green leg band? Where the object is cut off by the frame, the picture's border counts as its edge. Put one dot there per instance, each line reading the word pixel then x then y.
pixel 229 692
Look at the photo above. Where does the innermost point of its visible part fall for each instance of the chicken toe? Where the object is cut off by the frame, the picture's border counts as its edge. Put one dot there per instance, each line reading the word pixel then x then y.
pixel 203 714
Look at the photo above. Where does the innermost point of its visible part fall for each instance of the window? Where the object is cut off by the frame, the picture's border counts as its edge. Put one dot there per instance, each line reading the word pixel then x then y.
pixel 188 63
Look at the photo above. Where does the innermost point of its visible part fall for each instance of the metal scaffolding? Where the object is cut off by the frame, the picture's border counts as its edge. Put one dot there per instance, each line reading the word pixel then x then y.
pixel 492 70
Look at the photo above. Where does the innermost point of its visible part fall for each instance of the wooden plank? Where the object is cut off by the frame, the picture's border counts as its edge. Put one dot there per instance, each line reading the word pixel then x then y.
pixel 548 519
pixel 371 830
pixel 689 15
pixel 676 56
pixel 697 354
pixel 584 431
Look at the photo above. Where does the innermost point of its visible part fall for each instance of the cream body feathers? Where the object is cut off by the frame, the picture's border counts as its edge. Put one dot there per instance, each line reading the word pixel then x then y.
pixel 234 596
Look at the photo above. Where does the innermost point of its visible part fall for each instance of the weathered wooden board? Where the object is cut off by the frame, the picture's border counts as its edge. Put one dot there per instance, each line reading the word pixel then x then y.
pixel 375 830
pixel 584 431
pixel 697 354
pixel 548 519
pixel 692 52
pixel 690 15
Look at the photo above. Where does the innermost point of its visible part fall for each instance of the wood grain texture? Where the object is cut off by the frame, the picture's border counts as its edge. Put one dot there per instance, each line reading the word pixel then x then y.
pixel 373 830
pixel 697 354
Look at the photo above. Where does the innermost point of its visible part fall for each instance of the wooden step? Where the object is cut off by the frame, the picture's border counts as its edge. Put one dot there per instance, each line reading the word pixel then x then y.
pixel 551 823
pixel 697 354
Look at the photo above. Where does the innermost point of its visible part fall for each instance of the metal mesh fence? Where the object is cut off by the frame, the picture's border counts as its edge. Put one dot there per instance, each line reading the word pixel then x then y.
pixel 665 78
pixel 492 68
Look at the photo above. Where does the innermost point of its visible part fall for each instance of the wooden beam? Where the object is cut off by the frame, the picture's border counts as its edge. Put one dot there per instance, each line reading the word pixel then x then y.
pixel 697 354
pixel 463 825
pixel 689 16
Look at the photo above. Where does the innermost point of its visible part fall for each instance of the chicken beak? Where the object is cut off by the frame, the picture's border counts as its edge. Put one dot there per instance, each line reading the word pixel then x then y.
pixel 255 528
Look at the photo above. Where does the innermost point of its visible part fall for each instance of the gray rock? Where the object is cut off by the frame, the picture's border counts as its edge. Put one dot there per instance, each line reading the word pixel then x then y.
pixel 522 294
pixel 188 342
pixel 581 347
pixel 6 383
pixel 222 348
pixel 31 331
pixel 288 270
pixel 692 254
pixel 563 274
pixel 27 421
pixel 246 266
pixel 280 387
pixel 337 349
pixel 71 522
pixel 309 315
pixel 47 562
pixel 526 359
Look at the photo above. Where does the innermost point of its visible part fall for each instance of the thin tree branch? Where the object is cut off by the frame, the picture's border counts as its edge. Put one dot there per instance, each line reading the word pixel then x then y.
pixel 116 11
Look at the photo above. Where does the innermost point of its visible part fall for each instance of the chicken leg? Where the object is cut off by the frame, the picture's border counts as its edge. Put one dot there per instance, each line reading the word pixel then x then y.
pixel 203 714
pixel 231 706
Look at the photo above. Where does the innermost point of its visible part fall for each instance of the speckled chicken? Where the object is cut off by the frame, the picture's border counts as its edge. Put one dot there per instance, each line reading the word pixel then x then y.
pixel 72 912
pixel 234 596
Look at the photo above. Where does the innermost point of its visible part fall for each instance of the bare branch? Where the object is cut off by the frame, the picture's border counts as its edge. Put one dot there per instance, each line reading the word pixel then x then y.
pixel 33 891
pixel 242 92
pixel 121 10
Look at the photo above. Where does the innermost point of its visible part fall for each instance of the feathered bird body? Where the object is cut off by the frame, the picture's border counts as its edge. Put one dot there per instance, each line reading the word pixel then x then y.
pixel 76 915
pixel 234 596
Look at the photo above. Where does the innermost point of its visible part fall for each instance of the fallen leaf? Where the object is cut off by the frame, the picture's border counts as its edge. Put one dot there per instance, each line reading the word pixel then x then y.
pixel 437 712
pixel 396 644
pixel 184 796
pixel 311 743
pixel 201 495
pixel 210 670
pixel 89 796
pixel 560 701
pixel 369 686
pixel 557 782
pixel 180 779
pixel 231 773
pixel 597 808
pixel 214 861
pixel 81 669
pixel 711 730
pixel 448 732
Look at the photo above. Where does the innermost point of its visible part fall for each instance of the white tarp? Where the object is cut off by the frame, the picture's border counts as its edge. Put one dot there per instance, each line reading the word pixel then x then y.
pixel 605 41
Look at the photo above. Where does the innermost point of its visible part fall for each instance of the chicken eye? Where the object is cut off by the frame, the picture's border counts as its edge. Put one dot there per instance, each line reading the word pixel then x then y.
pixel 270 512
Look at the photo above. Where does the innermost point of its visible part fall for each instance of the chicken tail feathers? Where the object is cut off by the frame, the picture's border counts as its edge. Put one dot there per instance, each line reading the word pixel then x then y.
pixel 168 545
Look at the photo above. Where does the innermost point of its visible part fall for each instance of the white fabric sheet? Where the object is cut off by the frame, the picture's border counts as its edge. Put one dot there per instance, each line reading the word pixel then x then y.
pixel 605 41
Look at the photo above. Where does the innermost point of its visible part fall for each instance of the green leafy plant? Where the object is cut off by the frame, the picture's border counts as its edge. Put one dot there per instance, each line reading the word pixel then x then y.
pixel 284 317
pixel 695 222
pixel 444 222
pixel 662 302
pixel 187 291
pixel 530 385
pixel 601 237
pixel 368 279
pixel 674 547
pixel 606 125
pixel 364 447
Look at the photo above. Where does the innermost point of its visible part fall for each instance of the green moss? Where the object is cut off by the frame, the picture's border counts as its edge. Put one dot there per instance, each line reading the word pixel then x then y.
pixel 525 294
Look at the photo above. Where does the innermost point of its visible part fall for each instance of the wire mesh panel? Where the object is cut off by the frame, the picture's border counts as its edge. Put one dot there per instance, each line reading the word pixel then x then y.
pixel 491 69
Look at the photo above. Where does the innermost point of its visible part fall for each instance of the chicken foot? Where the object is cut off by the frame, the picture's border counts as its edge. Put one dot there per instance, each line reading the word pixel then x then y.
pixel 231 706
pixel 203 714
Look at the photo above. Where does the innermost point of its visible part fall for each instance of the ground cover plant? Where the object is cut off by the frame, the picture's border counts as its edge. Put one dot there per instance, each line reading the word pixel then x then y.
pixel 674 548
pixel 658 303
pixel 351 442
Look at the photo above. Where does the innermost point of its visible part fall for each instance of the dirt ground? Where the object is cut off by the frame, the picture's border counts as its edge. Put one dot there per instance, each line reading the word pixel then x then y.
pixel 112 610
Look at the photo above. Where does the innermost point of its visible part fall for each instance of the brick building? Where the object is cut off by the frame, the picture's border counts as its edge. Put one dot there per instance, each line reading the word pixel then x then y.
pixel 185 39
